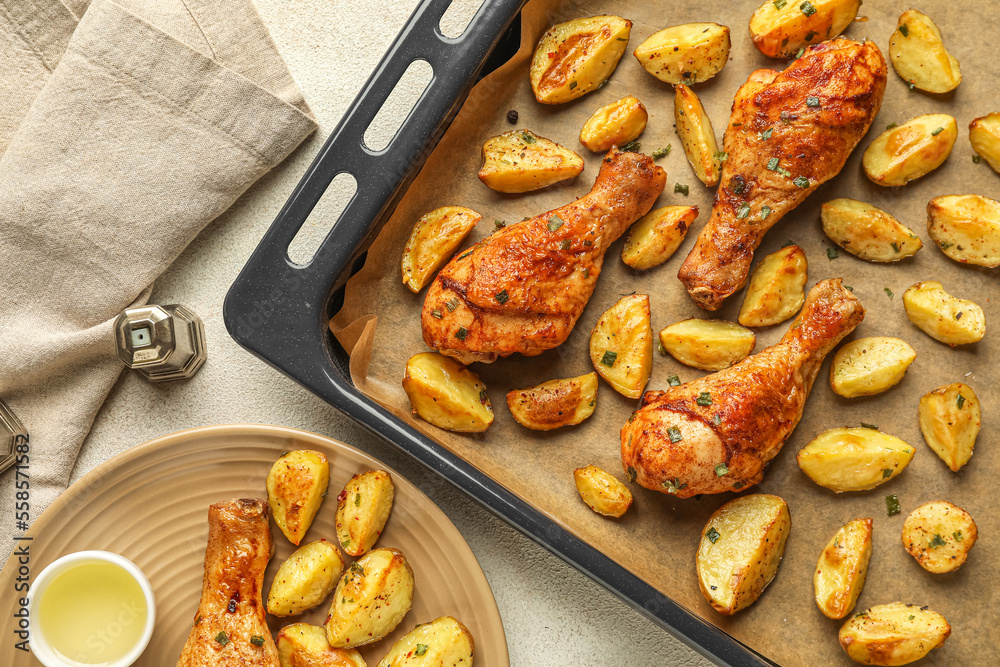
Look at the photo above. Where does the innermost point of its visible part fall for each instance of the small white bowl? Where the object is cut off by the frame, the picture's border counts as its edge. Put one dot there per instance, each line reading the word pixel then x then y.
pixel 40 646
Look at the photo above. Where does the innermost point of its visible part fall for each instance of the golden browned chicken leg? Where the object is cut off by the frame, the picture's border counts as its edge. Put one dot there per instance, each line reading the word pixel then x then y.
pixel 788 133
pixel 523 288
pixel 715 434
pixel 229 627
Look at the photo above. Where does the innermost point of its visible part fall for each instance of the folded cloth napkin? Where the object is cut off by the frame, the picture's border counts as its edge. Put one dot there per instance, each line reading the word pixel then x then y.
pixel 126 127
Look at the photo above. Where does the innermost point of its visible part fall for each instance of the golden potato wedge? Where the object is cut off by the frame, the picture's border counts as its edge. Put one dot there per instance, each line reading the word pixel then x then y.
pixel 602 491
pixel 621 345
pixel 911 150
pixel 782 27
pixel 741 548
pixel 868 232
pixel 966 228
pixel 776 289
pixel 555 403
pixel 575 57
pixel 688 53
pixel 918 55
pixel 305 579
pixel 446 394
pixel 869 366
pixel 296 486
pixel 522 161
pixel 305 645
pixel 433 240
pixel 657 235
pixel 893 634
pixel 371 599
pixel 444 642
pixel 950 417
pixel 942 316
pixel 362 510
pixel 984 134
pixel 615 124
pixel 697 136
pixel 842 568
pixel 710 345
pixel 939 535
pixel 853 459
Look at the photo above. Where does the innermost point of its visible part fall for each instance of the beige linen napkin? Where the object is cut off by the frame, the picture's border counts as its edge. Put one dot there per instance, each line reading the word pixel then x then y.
pixel 126 126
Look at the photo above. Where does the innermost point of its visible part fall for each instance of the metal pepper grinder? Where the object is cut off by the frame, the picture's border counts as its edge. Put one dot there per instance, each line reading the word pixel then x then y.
pixel 12 434
pixel 161 342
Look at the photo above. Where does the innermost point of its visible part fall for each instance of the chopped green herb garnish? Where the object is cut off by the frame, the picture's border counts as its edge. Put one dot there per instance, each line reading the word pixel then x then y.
pixel 421 649
pixel 527 138
pixel 572 85
pixel 766 134
pixel 832 252
pixel 721 156
pixel 555 222
pixel 586 273
pixel 673 485
pixel 704 399
pixel 861 614
pixel 222 638
pixel 800 53
pixel 976 158
pixel 609 358
pixel 801 181
pixel 848 288
pixel 936 131
pixel 737 185
pixel 630 473
pixel 436 313
pixel 911 85
pixel 674 381
pixel 500 224
pixel 895 246
pixel 662 350
pixel 743 211
pixel 807 8
pixel 960 401
pixel 957 535
pixel 257 640
pixel 945 245
pixel 904 30
pixel 451 305
pixel 357 500
pixel 739 485
pixel 891 126
pixel 631 147
pixel 911 617
pixel 873 427
pixel 674 434
pixel 887 473
pixel 502 297
pixel 892 505
pixel 661 152
pixel 936 541
pixel 565 244
pixel 721 469
pixel 461 333
pixel 765 211
pixel 717 419
pixel 812 101
pixel 466 253
pixel 772 164
pixel 683 189
pixel 888 292
pixel 810 35
pixel 712 535
pixel 784 117
pixel 780 4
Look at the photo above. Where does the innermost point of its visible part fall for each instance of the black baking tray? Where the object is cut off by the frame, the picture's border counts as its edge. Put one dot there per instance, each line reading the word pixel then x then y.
pixel 279 310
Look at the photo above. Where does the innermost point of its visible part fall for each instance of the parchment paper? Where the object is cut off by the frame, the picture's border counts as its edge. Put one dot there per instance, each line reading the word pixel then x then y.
pixel 657 538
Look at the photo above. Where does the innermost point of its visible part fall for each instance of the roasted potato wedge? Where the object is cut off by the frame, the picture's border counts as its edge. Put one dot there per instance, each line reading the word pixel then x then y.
pixel 939 535
pixel 371 599
pixel 433 240
pixel 575 57
pixel 893 634
pixel 911 150
pixel 688 53
pixel 444 642
pixel 446 394
pixel 602 491
pixel 296 486
pixel 615 124
pixel 853 459
pixel 305 645
pixel 710 345
pixel 555 403
pixel 741 548
pixel 942 316
pixel 522 161
pixel 842 568
pixel 697 136
pixel 950 417
pixel 984 134
pixel 362 509
pixel 657 235
pixel 966 228
pixel 869 366
pixel 918 55
pixel 780 28
pixel 305 578
pixel 621 345
pixel 776 289
pixel 868 232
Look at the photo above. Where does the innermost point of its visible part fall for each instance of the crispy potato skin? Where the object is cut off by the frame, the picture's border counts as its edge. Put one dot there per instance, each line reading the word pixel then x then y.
pixel 842 568
pixel 777 288
pixel 868 366
pixel 893 634
pixel 615 124
pixel 295 488
pixel 555 403
pixel 944 317
pixel 868 232
pixel 623 331
pixel 920 57
pixel 710 345
pixel 657 235
pixel 575 57
pixel 363 509
pixel 371 599
pixel 939 535
pixel 446 394
pixel 780 33
pixel 966 228
pixel 984 135
pixel 694 128
pixel 854 459
pixel 688 53
pixel 305 579
pixel 521 161
pixel 601 491
pixel 435 236
pixel 445 641
pixel 911 150
pixel 950 418
pixel 304 645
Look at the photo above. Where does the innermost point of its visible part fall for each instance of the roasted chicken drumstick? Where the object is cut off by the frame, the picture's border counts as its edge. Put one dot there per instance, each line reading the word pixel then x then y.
pixel 788 133
pixel 678 444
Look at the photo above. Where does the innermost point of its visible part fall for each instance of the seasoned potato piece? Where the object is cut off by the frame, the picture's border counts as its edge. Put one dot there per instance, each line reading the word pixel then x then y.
pixel 575 57
pixel 304 645
pixel 371 599
pixel 657 235
pixel 296 486
pixel 853 459
pixel 433 240
pixel 614 125
pixel 984 134
pixel 305 579
pixel 362 509
pixel 710 345
pixel 780 28
pixel 868 366
pixel 868 232
pixel 939 535
pixel 842 568
pixel 554 403
pixel 917 53
pixel 446 394
pixel 942 316
pixel 911 150
pixel 966 228
pixel 444 642
pixel 950 418
pixel 697 136
pixel 776 289
pixel 621 345
pixel 893 634
pixel 741 548
pixel 522 161
pixel 602 491
pixel 688 53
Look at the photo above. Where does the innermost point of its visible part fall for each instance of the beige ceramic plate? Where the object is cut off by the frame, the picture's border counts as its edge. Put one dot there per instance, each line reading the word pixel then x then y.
pixel 150 505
